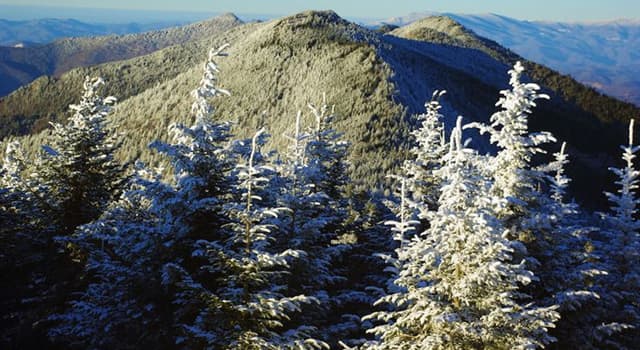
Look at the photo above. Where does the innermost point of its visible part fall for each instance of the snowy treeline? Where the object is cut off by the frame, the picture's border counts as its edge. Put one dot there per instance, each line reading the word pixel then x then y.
pixel 247 249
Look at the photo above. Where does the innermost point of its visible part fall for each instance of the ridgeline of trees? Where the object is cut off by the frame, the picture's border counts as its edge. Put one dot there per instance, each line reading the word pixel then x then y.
pixel 246 249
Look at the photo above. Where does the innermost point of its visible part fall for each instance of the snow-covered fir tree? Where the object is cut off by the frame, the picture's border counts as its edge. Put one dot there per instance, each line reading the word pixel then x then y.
pixel 570 271
pixel 428 153
pixel 68 185
pixel 77 167
pixel 24 245
pixel 145 239
pixel 13 195
pixel 124 305
pixel 348 235
pixel 417 191
pixel 327 153
pixel 315 223
pixel 20 216
pixel 229 279
pixel 201 158
pixel 560 244
pixel 514 178
pixel 245 308
pixel 458 285
pixel 622 244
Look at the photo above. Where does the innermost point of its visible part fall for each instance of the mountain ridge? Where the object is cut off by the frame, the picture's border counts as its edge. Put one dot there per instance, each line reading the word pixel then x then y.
pixel 19 66
pixel 572 48
pixel 376 81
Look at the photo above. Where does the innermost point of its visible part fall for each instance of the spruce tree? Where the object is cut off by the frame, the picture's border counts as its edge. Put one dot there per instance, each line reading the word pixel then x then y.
pixel 622 244
pixel 24 247
pixel 78 169
pixel 245 308
pixel 428 152
pixel 560 244
pixel 124 305
pixel 315 223
pixel 139 251
pixel 14 199
pixel 327 152
pixel 70 184
pixel 570 273
pixel 514 177
pixel 458 287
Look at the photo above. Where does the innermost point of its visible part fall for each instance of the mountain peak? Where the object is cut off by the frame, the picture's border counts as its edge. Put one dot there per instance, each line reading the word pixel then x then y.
pixel 313 18
pixel 442 29
pixel 228 16
pixel 425 29
pixel 314 25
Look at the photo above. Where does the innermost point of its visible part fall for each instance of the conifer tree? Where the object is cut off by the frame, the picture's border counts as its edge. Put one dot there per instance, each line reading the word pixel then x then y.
pixel 22 238
pixel 71 183
pixel 458 286
pixel 562 252
pixel 13 196
pixel 77 169
pixel 427 154
pixel 201 158
pixel 245 308
pixel 23 251
pixel 348 234
pixel 314 225
pixel 145 239
pixel 570 271
pixel 327 153
pixel 514 178
pixel 622 256
pixel 124 306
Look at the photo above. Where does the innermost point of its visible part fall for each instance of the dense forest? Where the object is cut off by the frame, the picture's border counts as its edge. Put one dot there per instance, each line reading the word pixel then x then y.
pixel 239 247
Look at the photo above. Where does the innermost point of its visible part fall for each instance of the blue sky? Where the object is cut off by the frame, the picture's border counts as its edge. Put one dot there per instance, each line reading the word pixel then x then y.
pixel 558 10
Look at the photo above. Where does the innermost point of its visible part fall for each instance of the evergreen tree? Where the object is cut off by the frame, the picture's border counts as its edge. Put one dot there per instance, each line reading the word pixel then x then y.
pixel 13 199
pixel 514 178
pixel 124 305
pixel 561 246
pixel 348 235
pixel 246 308
pixel 570 272
pixel 145 239
pixel 327 153
pixel 315 223
pixel 428 153
pixel 416 195
pixel 78 169
pixel 458 285
pixel 70 184
pixel 23 252
pixel 622 242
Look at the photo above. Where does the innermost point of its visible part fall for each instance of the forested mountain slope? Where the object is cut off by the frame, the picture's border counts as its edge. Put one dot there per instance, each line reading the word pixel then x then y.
pixel 376 81
pixel 50 96
pixel 602 54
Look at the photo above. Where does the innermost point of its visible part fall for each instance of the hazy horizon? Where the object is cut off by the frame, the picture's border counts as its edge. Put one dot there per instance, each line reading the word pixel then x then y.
pixel 23 11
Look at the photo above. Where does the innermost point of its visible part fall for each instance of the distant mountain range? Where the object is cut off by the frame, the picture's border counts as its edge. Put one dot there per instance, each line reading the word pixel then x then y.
pixel 377 81
pixel 19 66
pixel 605 55
pixel 44 31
